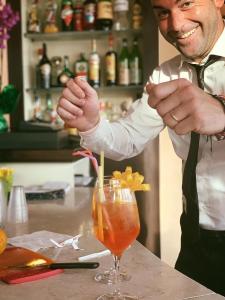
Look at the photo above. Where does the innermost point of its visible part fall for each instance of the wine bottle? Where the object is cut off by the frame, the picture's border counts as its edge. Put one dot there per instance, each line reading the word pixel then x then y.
pixel 123 65
pixel 45 69
pixel 104 15
pixel 66 74
pixel 137 15
pixel 67 15
pixel 111 63
pixel 94 66
pixel 89 15
pixel 78 15
pixel 135 64
pixel 81 67
pixel 49 114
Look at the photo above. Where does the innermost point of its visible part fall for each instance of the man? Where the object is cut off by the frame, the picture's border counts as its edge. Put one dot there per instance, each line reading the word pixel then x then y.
pixel 186 103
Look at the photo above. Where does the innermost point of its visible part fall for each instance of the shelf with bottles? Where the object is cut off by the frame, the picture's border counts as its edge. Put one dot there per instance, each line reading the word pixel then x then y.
pixel 80 35
pixel 113 88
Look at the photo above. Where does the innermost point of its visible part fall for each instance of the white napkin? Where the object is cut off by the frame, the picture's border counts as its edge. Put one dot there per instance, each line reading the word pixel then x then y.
pixel 44 239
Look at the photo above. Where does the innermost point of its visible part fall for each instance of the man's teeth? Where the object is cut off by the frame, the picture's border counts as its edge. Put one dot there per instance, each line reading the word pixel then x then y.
pixel 187 34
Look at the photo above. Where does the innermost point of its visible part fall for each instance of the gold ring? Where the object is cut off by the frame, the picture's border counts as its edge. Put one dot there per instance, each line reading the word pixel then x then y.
pixel 174 117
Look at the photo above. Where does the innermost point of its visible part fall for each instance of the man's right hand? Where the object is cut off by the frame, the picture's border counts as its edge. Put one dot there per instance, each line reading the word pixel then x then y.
pixel 78 105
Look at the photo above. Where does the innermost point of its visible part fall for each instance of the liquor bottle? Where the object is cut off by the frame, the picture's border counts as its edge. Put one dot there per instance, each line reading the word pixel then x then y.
pixel 135 64
pixel 137 15
pixel 89 15
pixel 50 17
pixel 104 19
pixel 78 15
pixel 67 15
pixel 123 65
pixel 37 67
pixel 111 63
pixel 33 18
pixel 121 20
pixel 66 74
pixel 94 66
pixel 81 67
pixel 45 69
pixel 56 69
pixel 49 114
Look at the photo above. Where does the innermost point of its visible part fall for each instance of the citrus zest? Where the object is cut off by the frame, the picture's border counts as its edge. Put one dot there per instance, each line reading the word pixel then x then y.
pixel 3 240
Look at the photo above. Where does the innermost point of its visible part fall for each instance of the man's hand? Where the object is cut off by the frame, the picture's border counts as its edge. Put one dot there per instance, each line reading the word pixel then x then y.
pixel 185 107
pixel 78 105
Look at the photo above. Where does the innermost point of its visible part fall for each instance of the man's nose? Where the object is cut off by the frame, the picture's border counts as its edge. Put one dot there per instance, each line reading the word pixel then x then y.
pixel 176 21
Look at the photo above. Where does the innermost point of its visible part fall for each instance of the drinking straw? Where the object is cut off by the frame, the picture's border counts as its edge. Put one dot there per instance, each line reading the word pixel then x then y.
pixel 100 204
pixel 102 162
pixel 88 153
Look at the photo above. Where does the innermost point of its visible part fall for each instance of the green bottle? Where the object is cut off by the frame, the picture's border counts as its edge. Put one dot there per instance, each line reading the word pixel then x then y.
pixel 135 64
pixel 66 74
pixel 81 67
pixel 123 65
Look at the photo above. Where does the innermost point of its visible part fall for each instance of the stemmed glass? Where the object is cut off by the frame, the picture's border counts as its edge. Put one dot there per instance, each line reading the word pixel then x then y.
pixel 116 226
pixel 108 276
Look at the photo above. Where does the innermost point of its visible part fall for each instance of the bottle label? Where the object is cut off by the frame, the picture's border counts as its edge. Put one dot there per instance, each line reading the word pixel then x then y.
pixel 89 13
pixel 67 15
pixel 121 5
pixel 105 10
pixel 124 77
pixel 45 69
pixel 81 70
pixel 111 68
pixel 135 72
pixel 94 67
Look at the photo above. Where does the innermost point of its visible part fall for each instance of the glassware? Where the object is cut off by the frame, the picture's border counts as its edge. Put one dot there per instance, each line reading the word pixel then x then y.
pixel 17 208
pixel 112 229
pixel 3 205
pixel 108 276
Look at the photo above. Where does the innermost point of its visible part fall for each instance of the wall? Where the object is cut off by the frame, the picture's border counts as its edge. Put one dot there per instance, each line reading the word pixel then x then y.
pixel 170 184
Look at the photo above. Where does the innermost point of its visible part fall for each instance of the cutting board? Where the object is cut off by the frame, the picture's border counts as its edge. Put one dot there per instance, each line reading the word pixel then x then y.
pixel 13 256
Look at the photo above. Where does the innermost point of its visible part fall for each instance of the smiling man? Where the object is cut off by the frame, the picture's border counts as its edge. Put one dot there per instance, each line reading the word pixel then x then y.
pixel 186 94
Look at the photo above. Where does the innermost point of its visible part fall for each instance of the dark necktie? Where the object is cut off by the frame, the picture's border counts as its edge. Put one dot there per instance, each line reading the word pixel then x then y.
pixel 190 217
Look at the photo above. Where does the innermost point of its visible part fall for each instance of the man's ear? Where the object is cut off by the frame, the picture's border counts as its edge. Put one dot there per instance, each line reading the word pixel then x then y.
pixel 219 3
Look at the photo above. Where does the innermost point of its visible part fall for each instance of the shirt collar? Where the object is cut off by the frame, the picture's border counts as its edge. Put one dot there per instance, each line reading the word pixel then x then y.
pixel 218 49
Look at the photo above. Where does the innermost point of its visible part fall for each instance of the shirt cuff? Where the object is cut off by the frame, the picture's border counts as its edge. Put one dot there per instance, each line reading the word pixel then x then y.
pixel 90 131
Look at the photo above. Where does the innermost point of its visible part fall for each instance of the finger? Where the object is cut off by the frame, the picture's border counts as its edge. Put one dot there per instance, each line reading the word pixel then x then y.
pixel 162 90
pixel 75 89
pixel 170 121
pixel 168 104
pixel 181 112
pixel 65 115
pixel 72 109
pixel 185 126
pixel 85 87
pixel 69 95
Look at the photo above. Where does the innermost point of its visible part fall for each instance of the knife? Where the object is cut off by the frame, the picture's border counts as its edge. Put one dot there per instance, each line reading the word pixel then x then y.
pixel 53 266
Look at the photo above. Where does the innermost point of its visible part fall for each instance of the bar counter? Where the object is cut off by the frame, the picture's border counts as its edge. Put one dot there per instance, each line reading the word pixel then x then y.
pixel 151 278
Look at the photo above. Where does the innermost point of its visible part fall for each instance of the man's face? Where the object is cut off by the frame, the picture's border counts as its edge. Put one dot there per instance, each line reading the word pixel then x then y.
pixel 191 26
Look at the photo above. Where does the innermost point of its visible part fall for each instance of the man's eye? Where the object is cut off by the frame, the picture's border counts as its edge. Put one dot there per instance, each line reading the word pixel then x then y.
pixel 187 4
pixel 162 14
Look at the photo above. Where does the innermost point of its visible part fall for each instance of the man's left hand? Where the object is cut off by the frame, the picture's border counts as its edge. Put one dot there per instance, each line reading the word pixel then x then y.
pixel 184 107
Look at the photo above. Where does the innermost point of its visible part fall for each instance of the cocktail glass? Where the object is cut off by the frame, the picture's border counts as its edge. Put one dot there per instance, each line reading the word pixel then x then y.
pixel 116 225
pixel 108 276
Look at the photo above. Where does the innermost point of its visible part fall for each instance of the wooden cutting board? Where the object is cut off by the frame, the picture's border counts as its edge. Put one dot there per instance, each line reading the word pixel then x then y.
pixel 14 256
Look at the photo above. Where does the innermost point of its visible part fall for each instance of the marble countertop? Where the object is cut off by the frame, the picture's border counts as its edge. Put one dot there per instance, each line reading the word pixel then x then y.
pixel 151 278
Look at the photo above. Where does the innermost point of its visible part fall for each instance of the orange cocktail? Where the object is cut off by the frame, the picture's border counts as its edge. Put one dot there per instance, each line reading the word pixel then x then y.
pixel 116 224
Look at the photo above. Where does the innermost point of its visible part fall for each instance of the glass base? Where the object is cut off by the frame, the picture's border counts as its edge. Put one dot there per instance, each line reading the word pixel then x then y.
pixel 117 297
pixel 108 277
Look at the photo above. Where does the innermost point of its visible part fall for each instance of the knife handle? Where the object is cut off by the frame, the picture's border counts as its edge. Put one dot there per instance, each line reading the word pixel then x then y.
pixel 74 265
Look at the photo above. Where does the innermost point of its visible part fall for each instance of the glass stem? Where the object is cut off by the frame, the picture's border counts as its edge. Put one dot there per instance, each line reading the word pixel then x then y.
pixel 117 274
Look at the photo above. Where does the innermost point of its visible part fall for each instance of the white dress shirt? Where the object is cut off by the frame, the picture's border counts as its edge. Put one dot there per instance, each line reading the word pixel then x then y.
pixel 128 136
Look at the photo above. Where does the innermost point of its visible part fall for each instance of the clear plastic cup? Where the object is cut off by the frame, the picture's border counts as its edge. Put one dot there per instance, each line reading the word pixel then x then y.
pixel 17 208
